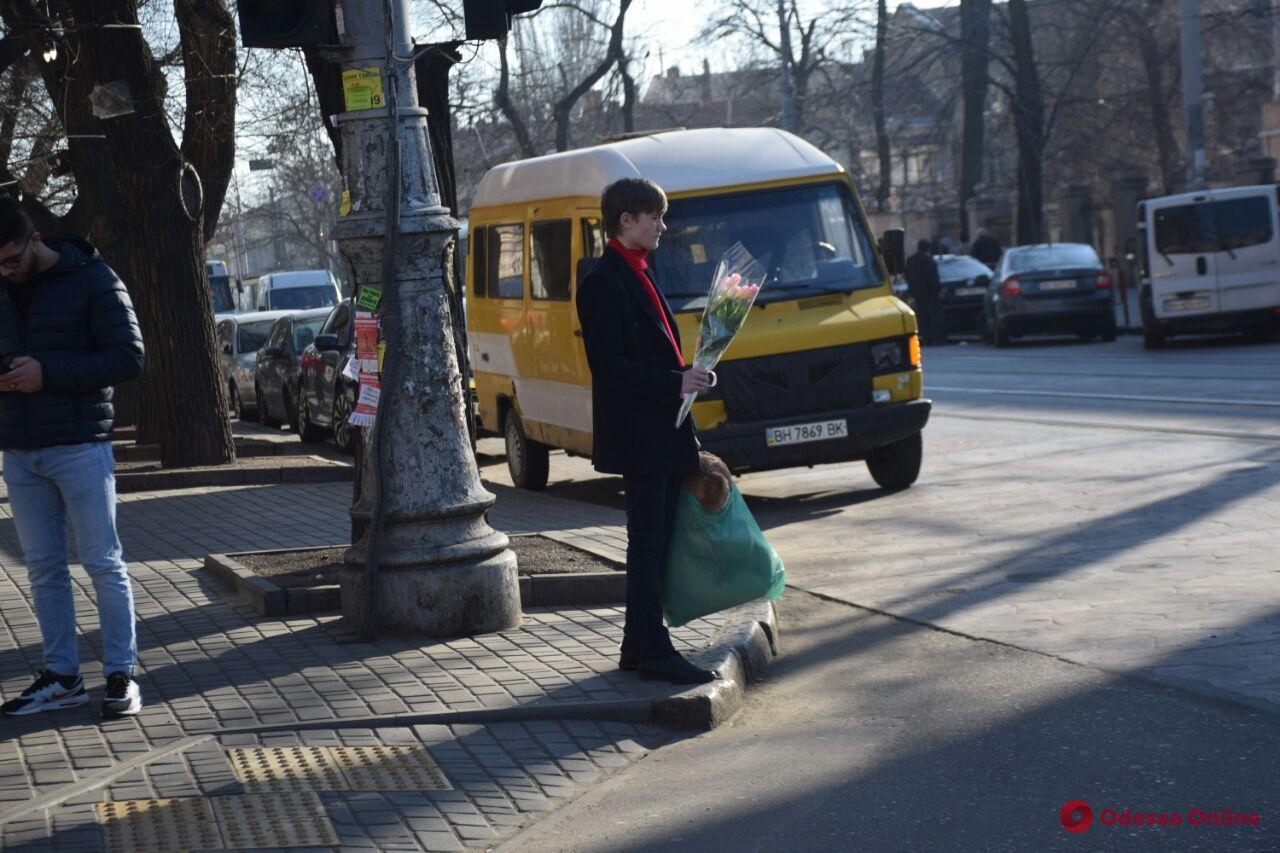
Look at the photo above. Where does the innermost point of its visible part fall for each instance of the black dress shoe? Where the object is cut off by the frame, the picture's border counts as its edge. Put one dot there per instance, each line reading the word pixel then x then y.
pixel 628 661
pixel 675 669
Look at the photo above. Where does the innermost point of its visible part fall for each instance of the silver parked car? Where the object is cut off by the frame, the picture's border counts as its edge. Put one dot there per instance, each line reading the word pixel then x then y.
pixel 240 336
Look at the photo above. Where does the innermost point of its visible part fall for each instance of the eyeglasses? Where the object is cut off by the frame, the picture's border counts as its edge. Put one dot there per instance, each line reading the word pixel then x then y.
pixel 12 262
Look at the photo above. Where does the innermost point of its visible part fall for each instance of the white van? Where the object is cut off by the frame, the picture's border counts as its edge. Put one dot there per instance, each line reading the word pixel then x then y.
pixel 1210 262
pixel 295 291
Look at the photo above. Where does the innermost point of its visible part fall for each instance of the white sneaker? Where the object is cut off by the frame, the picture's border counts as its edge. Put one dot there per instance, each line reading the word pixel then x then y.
pixel 49 692
pixel 122 698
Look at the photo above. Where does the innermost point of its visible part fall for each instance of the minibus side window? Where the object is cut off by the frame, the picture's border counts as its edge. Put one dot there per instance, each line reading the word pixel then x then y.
pixel 1243 222
pixel 592 239
pixel 549 267
pixel 479 256
pixel 1186 229
pixel 506 278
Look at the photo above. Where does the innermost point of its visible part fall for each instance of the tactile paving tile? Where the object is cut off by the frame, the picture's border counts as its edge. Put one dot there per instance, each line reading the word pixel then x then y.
pixel 181 823
pixel 286 768
pixel 281 819
pixel 389 768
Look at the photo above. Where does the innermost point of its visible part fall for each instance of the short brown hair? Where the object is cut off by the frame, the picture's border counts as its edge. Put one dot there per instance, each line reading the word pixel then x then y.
pixel 630 195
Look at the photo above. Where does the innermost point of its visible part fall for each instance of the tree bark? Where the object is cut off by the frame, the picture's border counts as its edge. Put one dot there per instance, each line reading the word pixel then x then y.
pixel 883 149
pixel 1028 112
pixel 975 37
pixel 790 109
pixel 628 95
pixel 502 98
pixel 1158 98
pixel 562 109
pixel 146 211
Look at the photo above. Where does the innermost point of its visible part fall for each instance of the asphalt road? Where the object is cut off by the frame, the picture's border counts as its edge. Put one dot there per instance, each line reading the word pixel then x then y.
pixel 1096 527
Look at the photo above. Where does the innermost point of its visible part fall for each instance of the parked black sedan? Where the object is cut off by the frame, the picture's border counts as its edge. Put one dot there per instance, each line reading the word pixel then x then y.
pixel 275 384
pixel 326 397
pixel 1051 288
pixel 964 286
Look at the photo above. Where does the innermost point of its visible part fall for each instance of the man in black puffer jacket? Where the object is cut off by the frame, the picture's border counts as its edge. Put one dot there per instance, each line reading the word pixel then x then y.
pixel 67 335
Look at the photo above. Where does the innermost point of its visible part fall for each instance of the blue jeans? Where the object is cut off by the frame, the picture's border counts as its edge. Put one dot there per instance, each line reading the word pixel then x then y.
pixel 48 487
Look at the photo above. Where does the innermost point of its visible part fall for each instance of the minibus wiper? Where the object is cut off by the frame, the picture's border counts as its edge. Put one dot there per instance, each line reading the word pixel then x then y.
pixel 1168 260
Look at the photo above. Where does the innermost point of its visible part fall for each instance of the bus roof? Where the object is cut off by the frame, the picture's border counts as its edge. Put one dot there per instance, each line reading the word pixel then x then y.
pixel 678 161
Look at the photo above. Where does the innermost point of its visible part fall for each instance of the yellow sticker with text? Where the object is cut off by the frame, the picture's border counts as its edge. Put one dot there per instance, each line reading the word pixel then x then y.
pixel 362 89
pixel 345 207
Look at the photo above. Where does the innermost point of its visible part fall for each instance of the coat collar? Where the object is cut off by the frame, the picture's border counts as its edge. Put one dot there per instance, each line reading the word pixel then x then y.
pixel 642 299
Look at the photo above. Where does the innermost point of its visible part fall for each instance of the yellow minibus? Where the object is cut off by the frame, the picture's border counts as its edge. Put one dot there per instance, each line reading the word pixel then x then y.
pixel 827 367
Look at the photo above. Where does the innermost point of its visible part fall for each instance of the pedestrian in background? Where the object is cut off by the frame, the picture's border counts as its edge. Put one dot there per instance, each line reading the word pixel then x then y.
pixel 924 284
pixel 67 335
pixel 986 248
pixel 638 377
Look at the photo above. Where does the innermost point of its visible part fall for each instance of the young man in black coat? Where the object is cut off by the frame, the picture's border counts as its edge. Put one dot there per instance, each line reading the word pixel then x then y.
pixel 638 376
pixel 67 335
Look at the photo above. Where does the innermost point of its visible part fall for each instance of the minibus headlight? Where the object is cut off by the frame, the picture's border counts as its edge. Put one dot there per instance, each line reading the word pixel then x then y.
pixel 888 357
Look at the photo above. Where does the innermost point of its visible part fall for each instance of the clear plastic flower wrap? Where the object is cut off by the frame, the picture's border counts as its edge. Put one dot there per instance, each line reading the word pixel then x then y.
pixel 734 287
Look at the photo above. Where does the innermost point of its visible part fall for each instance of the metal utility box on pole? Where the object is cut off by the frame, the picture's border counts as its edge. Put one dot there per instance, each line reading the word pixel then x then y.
pixel 435 566
pixel 1193 93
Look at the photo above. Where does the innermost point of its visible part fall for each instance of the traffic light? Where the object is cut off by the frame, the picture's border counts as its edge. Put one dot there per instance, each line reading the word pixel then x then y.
pixel 287 23
pixel 491 19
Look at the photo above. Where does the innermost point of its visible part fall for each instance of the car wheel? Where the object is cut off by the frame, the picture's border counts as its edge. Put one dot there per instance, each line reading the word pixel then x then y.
pixel 1153 339
pixel 264 417
pixel 344 432
pixel 1109 333
pixel 237 408
pixel 984 328
pixel 528 461
pixel 307 431
pixel 896 466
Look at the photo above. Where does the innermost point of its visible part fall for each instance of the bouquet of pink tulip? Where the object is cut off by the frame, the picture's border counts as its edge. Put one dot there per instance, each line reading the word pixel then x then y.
pixel 737 282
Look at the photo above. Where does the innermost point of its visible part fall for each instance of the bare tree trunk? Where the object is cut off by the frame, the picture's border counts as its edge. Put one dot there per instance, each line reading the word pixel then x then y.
pixel 628 95
pixel 147 202
pixel 790 111
pixel 975 38
pixel 1158 100
pixel 502 98
pixel 1028 111
pixel 883 149
pixel 562 110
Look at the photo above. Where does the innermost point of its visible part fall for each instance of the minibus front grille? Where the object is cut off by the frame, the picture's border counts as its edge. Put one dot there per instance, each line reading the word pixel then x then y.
pixel 795 383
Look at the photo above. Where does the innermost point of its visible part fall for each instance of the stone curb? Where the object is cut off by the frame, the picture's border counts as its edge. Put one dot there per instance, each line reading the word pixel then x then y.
pixel 151 481
pixel 740 649
pixel 570 589
pixel 270 599
pixel 246 448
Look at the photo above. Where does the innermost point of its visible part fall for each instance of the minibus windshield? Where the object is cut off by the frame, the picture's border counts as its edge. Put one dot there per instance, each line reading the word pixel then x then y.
pixel 809 239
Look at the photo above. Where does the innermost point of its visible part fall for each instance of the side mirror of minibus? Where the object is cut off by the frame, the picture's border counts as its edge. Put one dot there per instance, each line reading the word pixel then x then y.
pixel 893 248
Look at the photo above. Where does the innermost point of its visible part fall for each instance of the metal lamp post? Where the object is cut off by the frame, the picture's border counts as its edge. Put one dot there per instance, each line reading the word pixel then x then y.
pixel 436 566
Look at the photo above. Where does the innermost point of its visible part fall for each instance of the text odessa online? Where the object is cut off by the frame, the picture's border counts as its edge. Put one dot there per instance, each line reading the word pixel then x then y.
pixel 1194 817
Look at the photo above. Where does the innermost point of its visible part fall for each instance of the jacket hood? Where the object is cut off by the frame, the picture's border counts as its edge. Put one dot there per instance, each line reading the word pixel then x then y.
pixel 75 254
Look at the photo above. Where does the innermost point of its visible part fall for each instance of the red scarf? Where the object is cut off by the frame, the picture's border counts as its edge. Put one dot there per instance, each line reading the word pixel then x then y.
pixel 635 259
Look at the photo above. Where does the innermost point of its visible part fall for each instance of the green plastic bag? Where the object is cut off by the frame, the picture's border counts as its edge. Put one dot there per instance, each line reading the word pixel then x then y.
pixel 717 560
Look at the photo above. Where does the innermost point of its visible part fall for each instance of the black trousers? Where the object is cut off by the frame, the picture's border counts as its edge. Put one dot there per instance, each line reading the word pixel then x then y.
pixel 651 509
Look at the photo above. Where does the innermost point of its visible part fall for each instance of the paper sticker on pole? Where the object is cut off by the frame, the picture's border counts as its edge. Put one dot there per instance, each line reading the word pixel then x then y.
pixel 366 410
pixel 362 89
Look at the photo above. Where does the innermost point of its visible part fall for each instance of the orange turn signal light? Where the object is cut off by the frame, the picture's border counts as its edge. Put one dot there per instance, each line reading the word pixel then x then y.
pixel 913 350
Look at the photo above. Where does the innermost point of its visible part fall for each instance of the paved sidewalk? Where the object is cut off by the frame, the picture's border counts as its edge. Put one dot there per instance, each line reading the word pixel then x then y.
pixel 210 664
